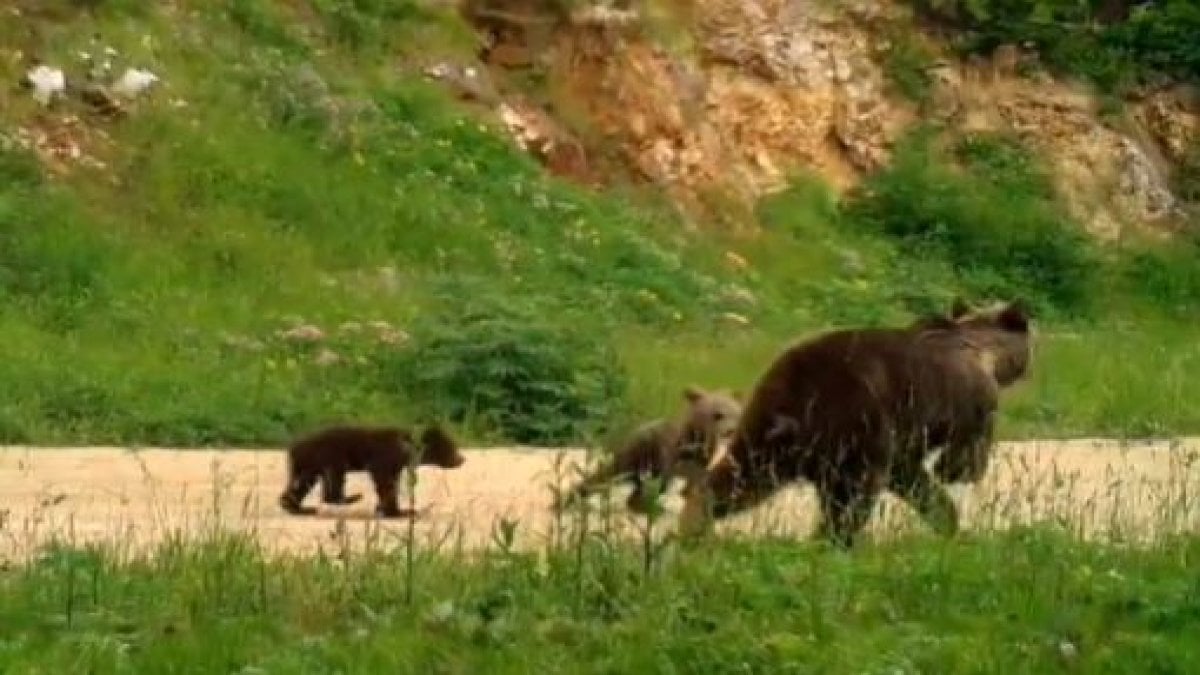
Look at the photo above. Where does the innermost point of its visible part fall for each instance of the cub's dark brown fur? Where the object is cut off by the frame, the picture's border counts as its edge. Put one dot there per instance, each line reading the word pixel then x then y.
pixel 664 449
pixel 856 412
pixel 384 452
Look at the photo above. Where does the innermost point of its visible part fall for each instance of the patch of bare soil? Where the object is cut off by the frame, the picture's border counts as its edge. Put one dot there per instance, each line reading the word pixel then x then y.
pixel 135 498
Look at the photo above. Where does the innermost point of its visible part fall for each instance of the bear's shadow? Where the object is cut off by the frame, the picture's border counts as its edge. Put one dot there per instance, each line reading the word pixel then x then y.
pixel 366 514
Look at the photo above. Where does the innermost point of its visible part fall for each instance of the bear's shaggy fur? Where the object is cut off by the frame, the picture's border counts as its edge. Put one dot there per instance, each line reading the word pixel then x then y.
pixel 857 411
pixel 384 452
pixel 665 449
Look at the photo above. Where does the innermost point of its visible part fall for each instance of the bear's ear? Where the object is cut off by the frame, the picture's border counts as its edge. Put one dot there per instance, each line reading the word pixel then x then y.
pixel 1015 316
pixel 692 393
pixel 959 308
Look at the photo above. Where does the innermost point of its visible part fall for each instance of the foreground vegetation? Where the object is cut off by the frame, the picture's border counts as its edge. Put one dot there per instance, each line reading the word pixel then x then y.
pixel 1030 600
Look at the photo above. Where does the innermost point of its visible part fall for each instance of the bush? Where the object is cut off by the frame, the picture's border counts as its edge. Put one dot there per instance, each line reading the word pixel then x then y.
pixel 907 66
pixel 1187 176
pixel 1112 49
pixel 988 210
pixel 513 368
pixel 1170 277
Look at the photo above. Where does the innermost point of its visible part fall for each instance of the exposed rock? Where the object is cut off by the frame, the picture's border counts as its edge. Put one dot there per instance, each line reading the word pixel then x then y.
pixel 1173 119
pixel 535 132
pixel 1106 178
pixel 100 100
pixel 302 333
pixel 134 82
pixel 46 82
pixel 469 83
pixel 860 128
pixel 1143 192
pixel 510 55
pixel 782 85
pixel 60 142
pixel 946 97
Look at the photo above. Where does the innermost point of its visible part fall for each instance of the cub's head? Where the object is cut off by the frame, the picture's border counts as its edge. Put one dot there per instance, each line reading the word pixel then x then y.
pixel 712 415
pixel 439 449
pixel 1001 335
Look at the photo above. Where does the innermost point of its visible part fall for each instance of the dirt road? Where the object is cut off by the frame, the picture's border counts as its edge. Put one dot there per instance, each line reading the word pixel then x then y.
pixel 139 497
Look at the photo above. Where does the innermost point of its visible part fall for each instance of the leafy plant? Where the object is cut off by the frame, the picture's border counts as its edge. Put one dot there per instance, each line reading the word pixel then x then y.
pixel 907 66
pixel 512 367
pixel 1114 44
pixel 1168 276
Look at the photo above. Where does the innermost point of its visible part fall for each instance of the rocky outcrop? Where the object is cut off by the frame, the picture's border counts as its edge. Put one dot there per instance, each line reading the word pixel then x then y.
pixel 769 87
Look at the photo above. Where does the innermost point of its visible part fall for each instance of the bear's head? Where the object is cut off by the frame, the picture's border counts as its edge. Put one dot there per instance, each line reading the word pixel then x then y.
pixel 1000 334
pixel 710 415
pixel 439 449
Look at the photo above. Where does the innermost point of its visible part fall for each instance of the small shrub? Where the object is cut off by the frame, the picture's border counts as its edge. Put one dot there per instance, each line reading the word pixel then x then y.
pixel 1187 176
pixel 255 19
pixel 525 372
pixel 808 204
pixel 1170 277
pixel 18 168
pixel 907 67
pixel 360 24
pixel 993 218
pixel 1082 38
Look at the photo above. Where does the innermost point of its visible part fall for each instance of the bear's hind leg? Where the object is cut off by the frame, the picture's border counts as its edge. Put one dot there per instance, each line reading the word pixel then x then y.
pixel 919 490
pixel 967 454
pixel 846 505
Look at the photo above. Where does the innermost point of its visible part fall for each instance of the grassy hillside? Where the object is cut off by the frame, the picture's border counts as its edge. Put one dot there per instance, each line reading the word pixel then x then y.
pixel 296 170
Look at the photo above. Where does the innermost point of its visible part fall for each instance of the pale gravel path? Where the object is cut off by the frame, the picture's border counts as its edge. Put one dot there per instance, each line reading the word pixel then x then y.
pixel 138 497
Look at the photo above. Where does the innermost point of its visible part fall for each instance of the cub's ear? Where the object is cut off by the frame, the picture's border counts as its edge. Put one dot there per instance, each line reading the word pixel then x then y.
pixel 1015 316
pixel 693 394
pixel 959 308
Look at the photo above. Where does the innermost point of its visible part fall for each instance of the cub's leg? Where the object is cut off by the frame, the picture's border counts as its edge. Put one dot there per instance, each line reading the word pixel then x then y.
pixel 601 475
pixel 333 486
pixel 300 483
pixel 386 480
pixel 638 501
pixel 912 483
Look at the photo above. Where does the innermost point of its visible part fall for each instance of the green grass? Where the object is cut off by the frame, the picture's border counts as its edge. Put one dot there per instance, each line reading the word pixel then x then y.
pixel 1029 600
pixel 295 169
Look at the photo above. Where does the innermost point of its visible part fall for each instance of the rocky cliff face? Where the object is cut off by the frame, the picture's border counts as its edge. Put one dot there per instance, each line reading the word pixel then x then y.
pixel 736 95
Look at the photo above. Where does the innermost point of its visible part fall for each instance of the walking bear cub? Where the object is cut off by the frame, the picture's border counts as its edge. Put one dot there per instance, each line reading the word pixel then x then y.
pixel 384 452
pixel 664 449
pixel 857 411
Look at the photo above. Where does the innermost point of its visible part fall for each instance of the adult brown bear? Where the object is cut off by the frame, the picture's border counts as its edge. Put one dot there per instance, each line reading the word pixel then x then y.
pixel 857 411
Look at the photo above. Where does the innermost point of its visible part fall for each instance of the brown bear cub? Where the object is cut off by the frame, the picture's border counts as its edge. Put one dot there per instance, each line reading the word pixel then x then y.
pixel 664 449
pixel 384 452
pixel 857 411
